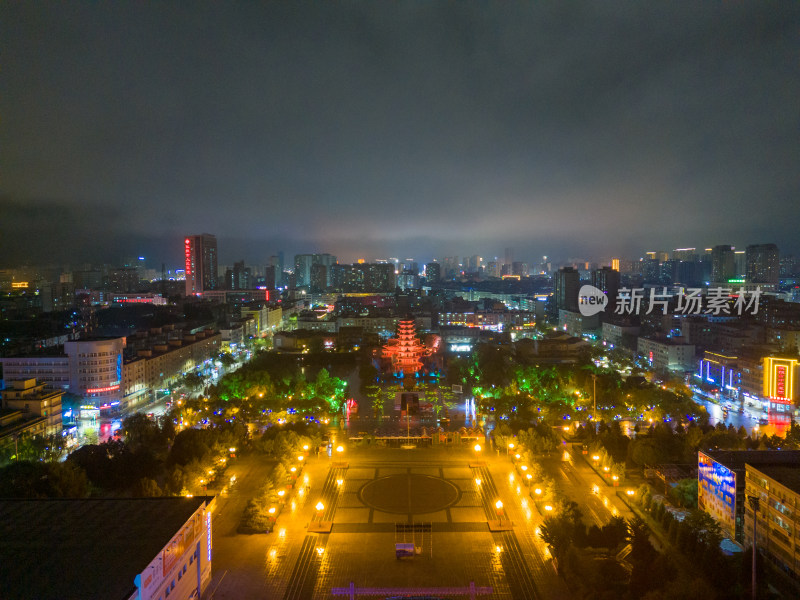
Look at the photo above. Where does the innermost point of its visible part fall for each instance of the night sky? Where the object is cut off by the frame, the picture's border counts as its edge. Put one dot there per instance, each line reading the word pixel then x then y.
pixel 407 129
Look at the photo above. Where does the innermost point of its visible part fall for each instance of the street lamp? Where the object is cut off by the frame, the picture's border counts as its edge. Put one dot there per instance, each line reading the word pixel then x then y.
pixel 339 449
pixel 477 448
pixel 509 448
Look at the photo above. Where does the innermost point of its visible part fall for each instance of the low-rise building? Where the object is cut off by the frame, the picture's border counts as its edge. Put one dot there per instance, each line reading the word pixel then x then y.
pixel 109 548
pixel 666 354
pixel 36 400
pixel 777 520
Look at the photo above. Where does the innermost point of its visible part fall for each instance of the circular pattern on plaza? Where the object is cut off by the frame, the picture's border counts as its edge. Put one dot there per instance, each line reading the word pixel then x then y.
pixel 409 493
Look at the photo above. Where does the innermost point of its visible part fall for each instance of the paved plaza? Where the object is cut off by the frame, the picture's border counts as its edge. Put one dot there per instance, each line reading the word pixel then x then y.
pixel 440 500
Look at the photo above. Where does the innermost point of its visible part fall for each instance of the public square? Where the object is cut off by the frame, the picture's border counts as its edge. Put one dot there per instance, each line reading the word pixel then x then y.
pixel 441 500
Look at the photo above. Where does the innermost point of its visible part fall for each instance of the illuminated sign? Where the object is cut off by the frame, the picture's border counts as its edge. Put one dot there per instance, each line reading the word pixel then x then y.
pixel 19 285
pixel 110 388
pixel 780 381
pixel 187 253
pixel 716 492
pixel 779 378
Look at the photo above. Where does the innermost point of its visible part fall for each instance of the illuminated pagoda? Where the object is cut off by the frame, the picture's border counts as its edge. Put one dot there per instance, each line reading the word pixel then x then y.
pixel 403 353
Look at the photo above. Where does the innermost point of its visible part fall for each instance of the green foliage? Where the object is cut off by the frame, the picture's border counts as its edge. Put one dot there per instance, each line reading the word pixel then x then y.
pixel 28 479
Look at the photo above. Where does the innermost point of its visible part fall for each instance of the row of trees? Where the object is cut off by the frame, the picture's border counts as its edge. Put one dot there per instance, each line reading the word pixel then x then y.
pixel 151 460
pixel 675 442
pixel 283 444
pixel 506 384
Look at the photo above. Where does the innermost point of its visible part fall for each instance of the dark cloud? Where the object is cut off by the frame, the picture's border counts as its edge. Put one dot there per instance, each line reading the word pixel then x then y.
pixel 375 129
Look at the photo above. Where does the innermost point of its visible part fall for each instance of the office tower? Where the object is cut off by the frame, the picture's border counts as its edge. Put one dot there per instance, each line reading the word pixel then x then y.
pixel 566 284
pixel 763 263
pixel 607 279
pixel 519 269
pixel 200 260
pixel 739 264
pixel 509 256
pixel 723 264
pixel 433 272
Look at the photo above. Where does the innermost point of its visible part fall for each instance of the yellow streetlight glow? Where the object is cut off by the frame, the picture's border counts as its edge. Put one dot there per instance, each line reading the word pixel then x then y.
pixel 537 491
pixel 281 493
pixel 477 481
pixel 300 457
pixel 548 508
pixel 511 445
pixel 499 505
pixel 339 482
pixel 340 448
pixel 271 510
pixel 477 447
pixel 516 456
pixel 320 551
pixel 529 476
pixel 320 506
pixel 524 467
pixel 305 446
pixel 293 469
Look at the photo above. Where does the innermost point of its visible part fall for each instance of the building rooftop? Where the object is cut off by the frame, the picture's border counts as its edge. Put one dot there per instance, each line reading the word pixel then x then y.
pixel 84 548
pixel 736 459
pixel 783 474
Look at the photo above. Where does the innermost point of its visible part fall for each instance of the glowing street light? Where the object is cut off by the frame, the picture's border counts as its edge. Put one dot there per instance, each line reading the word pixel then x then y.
pixel 305 446
pixel 477 447
pixel 538 491
pixel 281 493
pixel 477 481
pixel 300 457
pixel 499 505
pixel 271 510
pixel 320 506
pixel 339 449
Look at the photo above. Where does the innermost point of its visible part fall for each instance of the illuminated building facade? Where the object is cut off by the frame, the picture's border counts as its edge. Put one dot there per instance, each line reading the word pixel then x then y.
pixel 200 263
pixel 90 368
pixel 779 383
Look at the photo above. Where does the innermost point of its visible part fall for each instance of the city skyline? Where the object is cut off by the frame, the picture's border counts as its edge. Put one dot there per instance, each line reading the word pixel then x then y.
pixel 367 130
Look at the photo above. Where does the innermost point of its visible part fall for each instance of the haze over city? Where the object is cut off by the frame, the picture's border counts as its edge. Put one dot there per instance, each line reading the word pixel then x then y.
pixel 396 129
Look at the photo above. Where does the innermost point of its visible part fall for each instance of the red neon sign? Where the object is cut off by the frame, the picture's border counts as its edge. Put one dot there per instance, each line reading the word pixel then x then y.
pixel 187 253
pixel 110 388
pixel 780 381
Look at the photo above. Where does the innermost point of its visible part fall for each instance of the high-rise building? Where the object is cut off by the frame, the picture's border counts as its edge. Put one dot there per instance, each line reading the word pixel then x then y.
pixel 566 284
pixel 684 254
pixel 363 277
pixel 270 277
pixel 200 259
pixel 433 272
pixel 723 263
pixel 607 279
pixel 763 263
pixel 740 264
pixel 319 278
pixel 239 278
pixel 651 269
pixel 302 266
